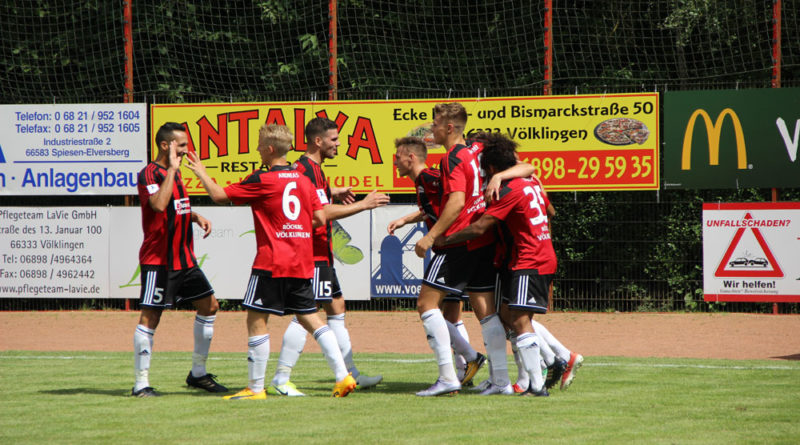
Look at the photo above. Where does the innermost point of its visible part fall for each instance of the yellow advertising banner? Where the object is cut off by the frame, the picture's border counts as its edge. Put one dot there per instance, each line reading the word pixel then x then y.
pixel 589 142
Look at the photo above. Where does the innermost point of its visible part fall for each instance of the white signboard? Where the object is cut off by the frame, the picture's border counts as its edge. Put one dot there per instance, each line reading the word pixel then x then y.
pixel 75 149
pixel 750 252
pixel 226 256
pixel 54 252
pixel 93 252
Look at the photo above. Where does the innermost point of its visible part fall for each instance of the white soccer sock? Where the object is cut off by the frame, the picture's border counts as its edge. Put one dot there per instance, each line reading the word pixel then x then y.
pixel 294 340
pixel 459 343
pixel 560 350
pixel 461 361
pixel 439 340
pixel 548 355
pixel 203 332
pixel 529 353
pixel 330 349
pixel 257 356
pixel 336 323
pixel 522 375
pixel 494 339
pixel 142 351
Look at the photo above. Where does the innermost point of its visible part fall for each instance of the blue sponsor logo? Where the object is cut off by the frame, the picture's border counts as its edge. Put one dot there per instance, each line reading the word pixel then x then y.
pixel 392 277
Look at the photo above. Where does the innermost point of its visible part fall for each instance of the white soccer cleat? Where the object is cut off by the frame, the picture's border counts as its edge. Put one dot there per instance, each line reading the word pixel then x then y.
pixel 439 388
pixel 366 382
pixel 287 389
pixel 482 386
pixel 496 389
pixel 575 362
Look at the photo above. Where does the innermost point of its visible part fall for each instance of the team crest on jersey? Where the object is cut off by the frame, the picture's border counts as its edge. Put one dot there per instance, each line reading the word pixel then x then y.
pixel 182 206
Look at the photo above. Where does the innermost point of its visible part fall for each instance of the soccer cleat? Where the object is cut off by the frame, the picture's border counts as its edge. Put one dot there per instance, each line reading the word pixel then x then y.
pixel 575 362
pixel 247 394
pixel 206 382
pixel 531 393
pixel 366 382
pixel 481 386
pixel 472 368
pixel 517 389
pixel 344 387
pixel 496 389
pixel 287 389
pixel 554 373
pixel 147 391
pixel 440 388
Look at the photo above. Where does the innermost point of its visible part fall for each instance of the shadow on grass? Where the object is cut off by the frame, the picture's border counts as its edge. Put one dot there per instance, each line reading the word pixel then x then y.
pixel 392 388
pixel 121 392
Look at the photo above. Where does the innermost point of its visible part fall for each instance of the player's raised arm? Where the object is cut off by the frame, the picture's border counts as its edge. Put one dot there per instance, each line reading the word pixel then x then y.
pixel 414 217
pixel 215 191
pixel 521 170
pixel 472 231
pixel 160 200
pixel 453 207
pixel 344 195
pixel 372 200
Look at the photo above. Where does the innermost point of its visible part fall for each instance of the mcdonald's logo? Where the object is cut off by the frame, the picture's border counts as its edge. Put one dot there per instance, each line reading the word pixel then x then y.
pixel 714 130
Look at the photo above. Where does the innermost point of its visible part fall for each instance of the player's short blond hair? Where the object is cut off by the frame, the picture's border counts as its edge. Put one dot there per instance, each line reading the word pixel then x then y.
pixel 414 145
pixel 278 136
pixel 452 112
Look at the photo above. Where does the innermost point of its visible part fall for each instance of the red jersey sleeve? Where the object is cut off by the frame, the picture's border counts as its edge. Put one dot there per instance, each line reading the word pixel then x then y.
pixel 248 190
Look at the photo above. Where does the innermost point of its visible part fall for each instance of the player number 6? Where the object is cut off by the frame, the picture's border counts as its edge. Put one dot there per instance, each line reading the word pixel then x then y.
pixel 291 204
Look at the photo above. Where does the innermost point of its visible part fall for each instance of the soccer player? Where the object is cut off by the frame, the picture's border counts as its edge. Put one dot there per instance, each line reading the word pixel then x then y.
pixel 169 269
pixel 285 206
pixel 464 266
pixel 521 214
pixel 410 156
pixel 560 362
pixel 323 142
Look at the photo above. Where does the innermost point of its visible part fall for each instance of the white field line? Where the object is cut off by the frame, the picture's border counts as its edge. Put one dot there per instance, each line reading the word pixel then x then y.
pixel 424 360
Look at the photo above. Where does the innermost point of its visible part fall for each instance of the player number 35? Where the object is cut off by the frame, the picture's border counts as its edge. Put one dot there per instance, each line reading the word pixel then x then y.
pixel 537 203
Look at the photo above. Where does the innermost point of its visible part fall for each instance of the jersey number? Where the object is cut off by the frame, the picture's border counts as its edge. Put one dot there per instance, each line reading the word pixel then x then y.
pixel 537 203
pixel 291 203
pixel 476 186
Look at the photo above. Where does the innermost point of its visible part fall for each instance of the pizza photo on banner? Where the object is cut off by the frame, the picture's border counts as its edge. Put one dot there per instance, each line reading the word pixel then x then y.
pixel 582 142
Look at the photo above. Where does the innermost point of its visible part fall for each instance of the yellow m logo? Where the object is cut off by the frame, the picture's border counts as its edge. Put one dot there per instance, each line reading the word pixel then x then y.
pixel 714 130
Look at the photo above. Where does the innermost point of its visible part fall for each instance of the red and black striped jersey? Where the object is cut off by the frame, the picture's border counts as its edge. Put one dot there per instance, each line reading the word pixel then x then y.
pixel 283 202
pixel 322 234
pixel 522 211
pixel 168 239
pixel 461 172
pixel 429 194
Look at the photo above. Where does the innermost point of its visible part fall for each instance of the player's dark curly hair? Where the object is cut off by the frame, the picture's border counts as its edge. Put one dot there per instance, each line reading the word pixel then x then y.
pixel 318 126
pixel 165 132
pixel 499 151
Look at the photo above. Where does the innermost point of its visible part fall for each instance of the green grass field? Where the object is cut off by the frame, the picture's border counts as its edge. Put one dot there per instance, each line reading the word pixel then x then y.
pixel 83 397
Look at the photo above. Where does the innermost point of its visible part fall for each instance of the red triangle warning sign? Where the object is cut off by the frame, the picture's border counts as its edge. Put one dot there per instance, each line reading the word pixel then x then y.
pixel 748 266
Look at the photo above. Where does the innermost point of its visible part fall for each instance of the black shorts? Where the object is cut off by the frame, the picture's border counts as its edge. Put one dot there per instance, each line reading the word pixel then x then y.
pixel 525 290
pixel 458 270
pixel 164 289
pixel 325 283
pixel 278 295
